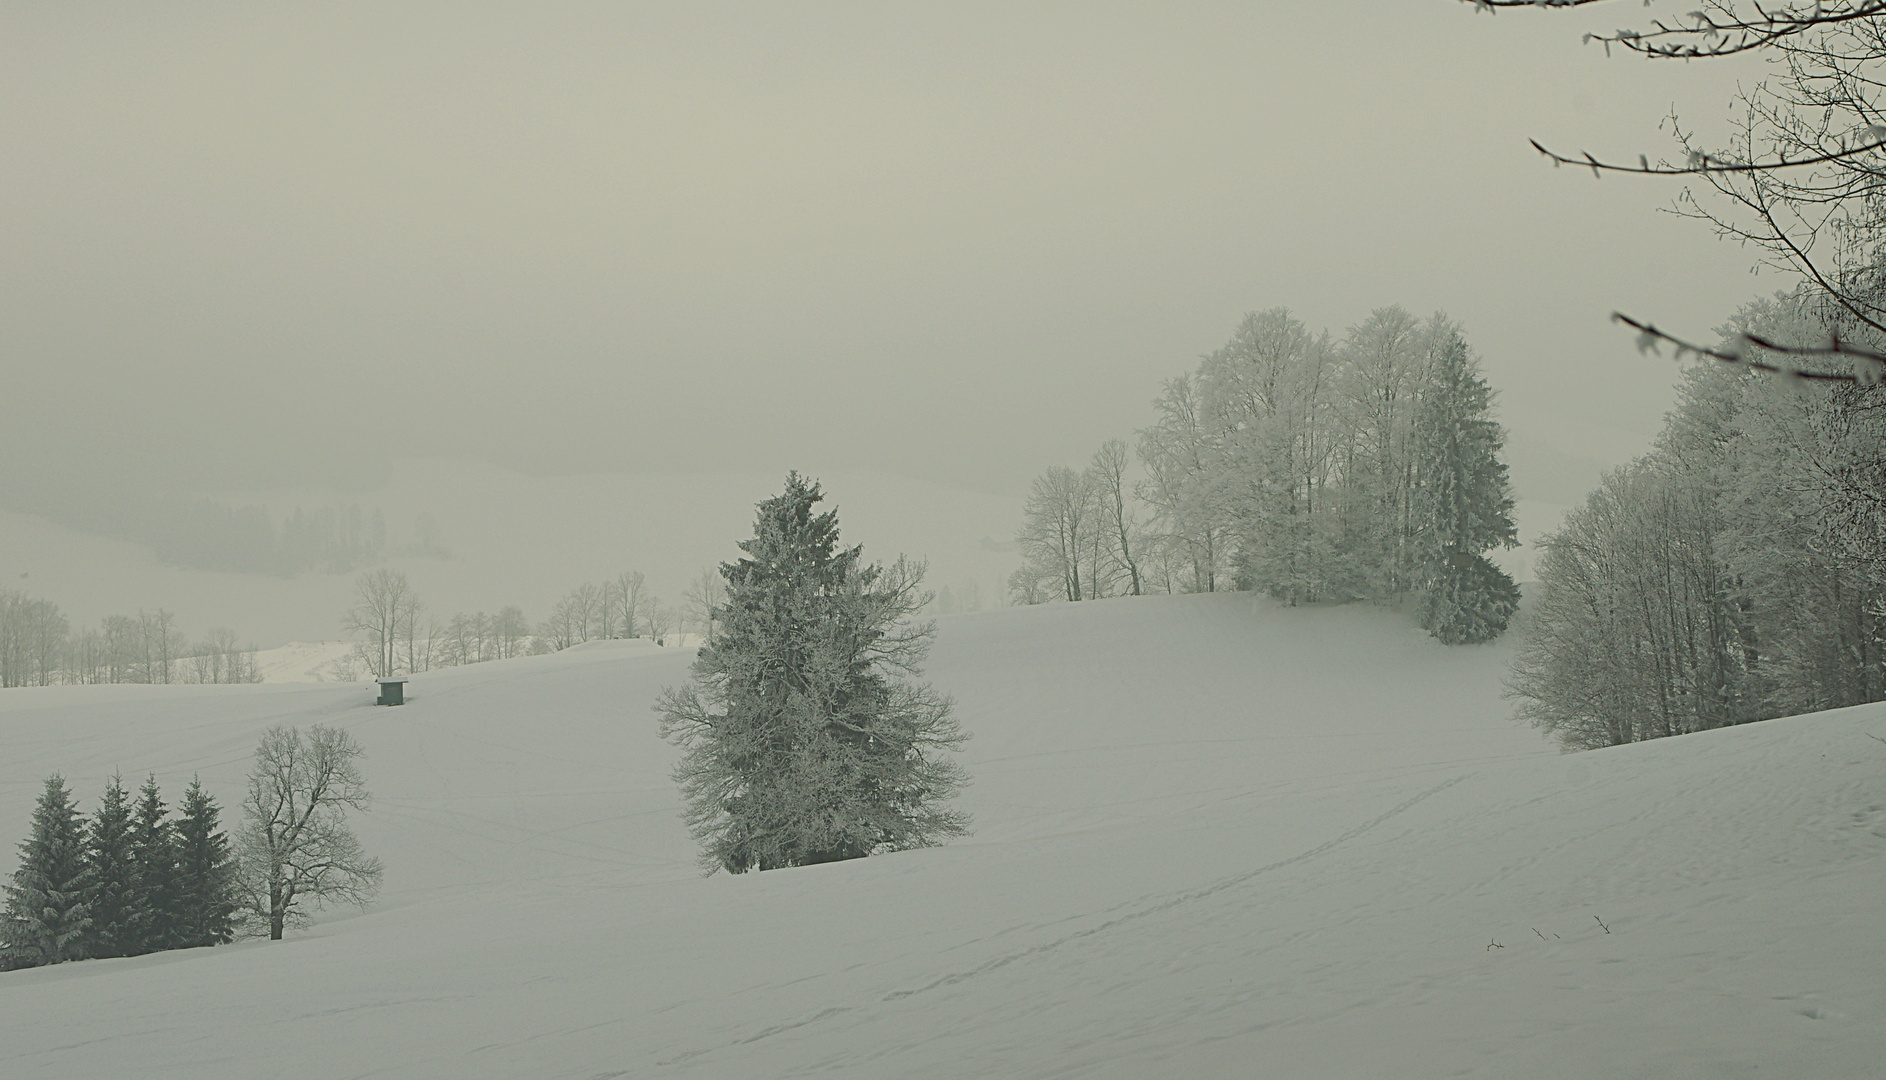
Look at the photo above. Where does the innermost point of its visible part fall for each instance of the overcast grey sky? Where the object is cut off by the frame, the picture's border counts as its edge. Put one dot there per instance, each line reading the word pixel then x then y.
pixel 275 244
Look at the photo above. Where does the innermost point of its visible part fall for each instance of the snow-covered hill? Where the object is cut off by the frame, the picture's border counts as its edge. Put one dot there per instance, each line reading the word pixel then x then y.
pixel 303 662
pixel 1214 838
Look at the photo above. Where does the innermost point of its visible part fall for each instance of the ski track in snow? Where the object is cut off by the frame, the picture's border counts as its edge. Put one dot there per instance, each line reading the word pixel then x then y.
pixel 1174 901
pixel 1161 906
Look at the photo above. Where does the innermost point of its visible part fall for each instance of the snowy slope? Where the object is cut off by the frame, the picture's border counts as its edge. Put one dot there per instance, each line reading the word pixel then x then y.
pixel 1214 838
pixel 301 661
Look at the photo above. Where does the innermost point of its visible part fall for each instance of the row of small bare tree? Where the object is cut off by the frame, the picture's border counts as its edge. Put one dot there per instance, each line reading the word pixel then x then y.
pixel 38 648
pixel 393 636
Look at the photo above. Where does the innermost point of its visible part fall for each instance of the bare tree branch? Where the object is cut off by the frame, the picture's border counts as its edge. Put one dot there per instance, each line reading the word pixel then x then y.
pixel 1871 365
pixel 1700 163
pixel 1716 29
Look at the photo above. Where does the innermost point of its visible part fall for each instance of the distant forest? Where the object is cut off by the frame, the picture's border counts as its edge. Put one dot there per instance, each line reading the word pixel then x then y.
pixel 203 534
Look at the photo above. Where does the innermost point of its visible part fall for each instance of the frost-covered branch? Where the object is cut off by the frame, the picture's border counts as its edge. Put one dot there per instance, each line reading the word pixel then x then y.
pixel 1802 176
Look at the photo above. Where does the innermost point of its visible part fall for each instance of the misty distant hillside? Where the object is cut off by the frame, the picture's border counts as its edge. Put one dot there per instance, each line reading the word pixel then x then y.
pixel 475 537
pixel 198 533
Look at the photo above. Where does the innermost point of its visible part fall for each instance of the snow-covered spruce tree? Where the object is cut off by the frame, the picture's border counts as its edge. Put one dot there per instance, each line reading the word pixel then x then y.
pixel 48 910
pixel 1463 505
pixel 154 858
pixel 802 741
pixel 115 913
pixel 204 900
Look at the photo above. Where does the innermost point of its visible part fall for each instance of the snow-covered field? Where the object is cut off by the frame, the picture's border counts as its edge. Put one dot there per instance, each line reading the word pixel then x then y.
pixel 1214 838
pixel 302 661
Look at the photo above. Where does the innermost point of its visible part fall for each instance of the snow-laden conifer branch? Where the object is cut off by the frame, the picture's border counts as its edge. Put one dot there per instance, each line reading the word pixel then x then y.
pixel 1869 367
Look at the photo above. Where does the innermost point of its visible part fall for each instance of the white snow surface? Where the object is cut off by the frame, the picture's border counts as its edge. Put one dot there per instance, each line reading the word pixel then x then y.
pixel 1215 838
pixel 301 661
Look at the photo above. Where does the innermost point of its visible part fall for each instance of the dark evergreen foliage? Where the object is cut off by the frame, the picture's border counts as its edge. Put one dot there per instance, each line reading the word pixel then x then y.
pixel 205 899
pixel 154 853
pixel 115 911
pixel 48 901
pixel 1470 600
pixel 128 882
pixel 1464 505
pixel 801 743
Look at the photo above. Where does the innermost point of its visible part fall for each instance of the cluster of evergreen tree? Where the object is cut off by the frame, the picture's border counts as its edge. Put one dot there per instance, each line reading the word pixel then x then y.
pixel 1735 573
pixel 129 880
pixel 1310 468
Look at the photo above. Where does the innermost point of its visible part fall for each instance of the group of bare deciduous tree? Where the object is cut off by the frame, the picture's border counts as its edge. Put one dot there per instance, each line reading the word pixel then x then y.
pixel 1081 536
pixel 38 648
pixel 1738 571
pixel 393 635
pixel 622 607
pixel 625 608
pixel 1735 573
pixel 1311 468
pixel 391 638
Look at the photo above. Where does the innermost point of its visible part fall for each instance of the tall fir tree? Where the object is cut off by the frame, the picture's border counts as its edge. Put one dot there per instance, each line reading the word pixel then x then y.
pixel 1463 504
pixel 154 855
pixel 801 743
pixel 205 893
pixel 48 901
pixel 116 917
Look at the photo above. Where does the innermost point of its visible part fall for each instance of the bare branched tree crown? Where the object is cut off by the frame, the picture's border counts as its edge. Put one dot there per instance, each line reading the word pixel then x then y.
pixel 1803 176
pixel 295 848
pixel 385 613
